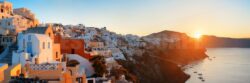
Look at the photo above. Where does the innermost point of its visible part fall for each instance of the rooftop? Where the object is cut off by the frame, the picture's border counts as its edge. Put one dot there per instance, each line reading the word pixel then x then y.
pixel 39 30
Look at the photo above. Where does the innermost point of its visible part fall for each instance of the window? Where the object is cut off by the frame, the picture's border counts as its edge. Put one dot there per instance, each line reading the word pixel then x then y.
pixel 72 51
pixel 56 54
pixel 36 60
pixel 49 45
pixel 29 47
pixel 29 37
pixel 23 44
pixel 49 34
pixel 90 81
pixel 8 23
pixel 43 45
pixel 9 39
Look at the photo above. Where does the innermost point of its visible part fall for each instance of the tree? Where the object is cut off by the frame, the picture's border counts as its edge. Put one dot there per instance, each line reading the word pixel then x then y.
pixel 99 66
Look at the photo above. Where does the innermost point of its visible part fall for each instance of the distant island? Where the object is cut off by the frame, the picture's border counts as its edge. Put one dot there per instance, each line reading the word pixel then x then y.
pixel 225 42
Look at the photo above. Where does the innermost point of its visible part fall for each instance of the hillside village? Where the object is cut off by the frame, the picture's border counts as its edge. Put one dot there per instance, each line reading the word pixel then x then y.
pixel 53 52
pixel 56 53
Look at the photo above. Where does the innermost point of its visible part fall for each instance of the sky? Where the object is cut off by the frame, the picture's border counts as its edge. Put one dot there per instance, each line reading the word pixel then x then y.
pixel 226 18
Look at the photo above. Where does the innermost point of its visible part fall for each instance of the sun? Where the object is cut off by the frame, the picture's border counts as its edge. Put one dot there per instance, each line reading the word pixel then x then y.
pixel 197 35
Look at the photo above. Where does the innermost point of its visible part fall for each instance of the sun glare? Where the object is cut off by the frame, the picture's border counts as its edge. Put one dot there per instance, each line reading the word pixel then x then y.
pixel 197 35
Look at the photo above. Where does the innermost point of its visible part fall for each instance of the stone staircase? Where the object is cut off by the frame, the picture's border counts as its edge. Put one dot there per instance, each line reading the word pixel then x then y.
pixel 8 57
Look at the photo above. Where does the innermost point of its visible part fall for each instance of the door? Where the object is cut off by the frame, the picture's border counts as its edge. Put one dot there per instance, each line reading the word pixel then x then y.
pixel 29 47
pixel 72 51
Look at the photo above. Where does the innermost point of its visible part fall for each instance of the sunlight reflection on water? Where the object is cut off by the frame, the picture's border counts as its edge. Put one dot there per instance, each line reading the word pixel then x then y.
pixel 225 65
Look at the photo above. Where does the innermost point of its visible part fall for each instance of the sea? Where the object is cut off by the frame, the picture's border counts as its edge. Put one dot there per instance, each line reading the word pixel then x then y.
pixel 224 65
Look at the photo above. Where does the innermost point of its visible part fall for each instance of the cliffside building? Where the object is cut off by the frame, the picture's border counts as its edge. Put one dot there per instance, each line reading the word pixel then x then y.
pixel 72 46
pixel 36 48
pixel 13 22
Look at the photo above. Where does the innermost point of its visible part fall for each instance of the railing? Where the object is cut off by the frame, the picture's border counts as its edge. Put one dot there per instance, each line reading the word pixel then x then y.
pixel 44 66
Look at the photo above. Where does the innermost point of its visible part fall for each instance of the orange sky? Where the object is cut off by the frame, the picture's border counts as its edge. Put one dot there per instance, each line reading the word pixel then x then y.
pixel 227 18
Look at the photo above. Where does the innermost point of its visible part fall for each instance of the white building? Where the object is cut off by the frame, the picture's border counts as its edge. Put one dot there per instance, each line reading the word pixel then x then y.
pixel 35 48
pixel 89 34
pixel 101 51
pixel 117 54
pixel 95 44
pixel 85 65
pixel 109 38
pixel 98 48
pixel 14 21
pixel 15 24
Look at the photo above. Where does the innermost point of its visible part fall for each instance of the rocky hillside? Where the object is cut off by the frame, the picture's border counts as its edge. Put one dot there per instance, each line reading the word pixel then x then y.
pixel 161 59
pixel 155 58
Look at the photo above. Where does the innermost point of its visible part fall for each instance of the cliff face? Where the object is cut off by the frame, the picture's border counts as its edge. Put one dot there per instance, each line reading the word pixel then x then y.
pixel 161 66
pixel 159 61
pixel 213 42
pixel 152 70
